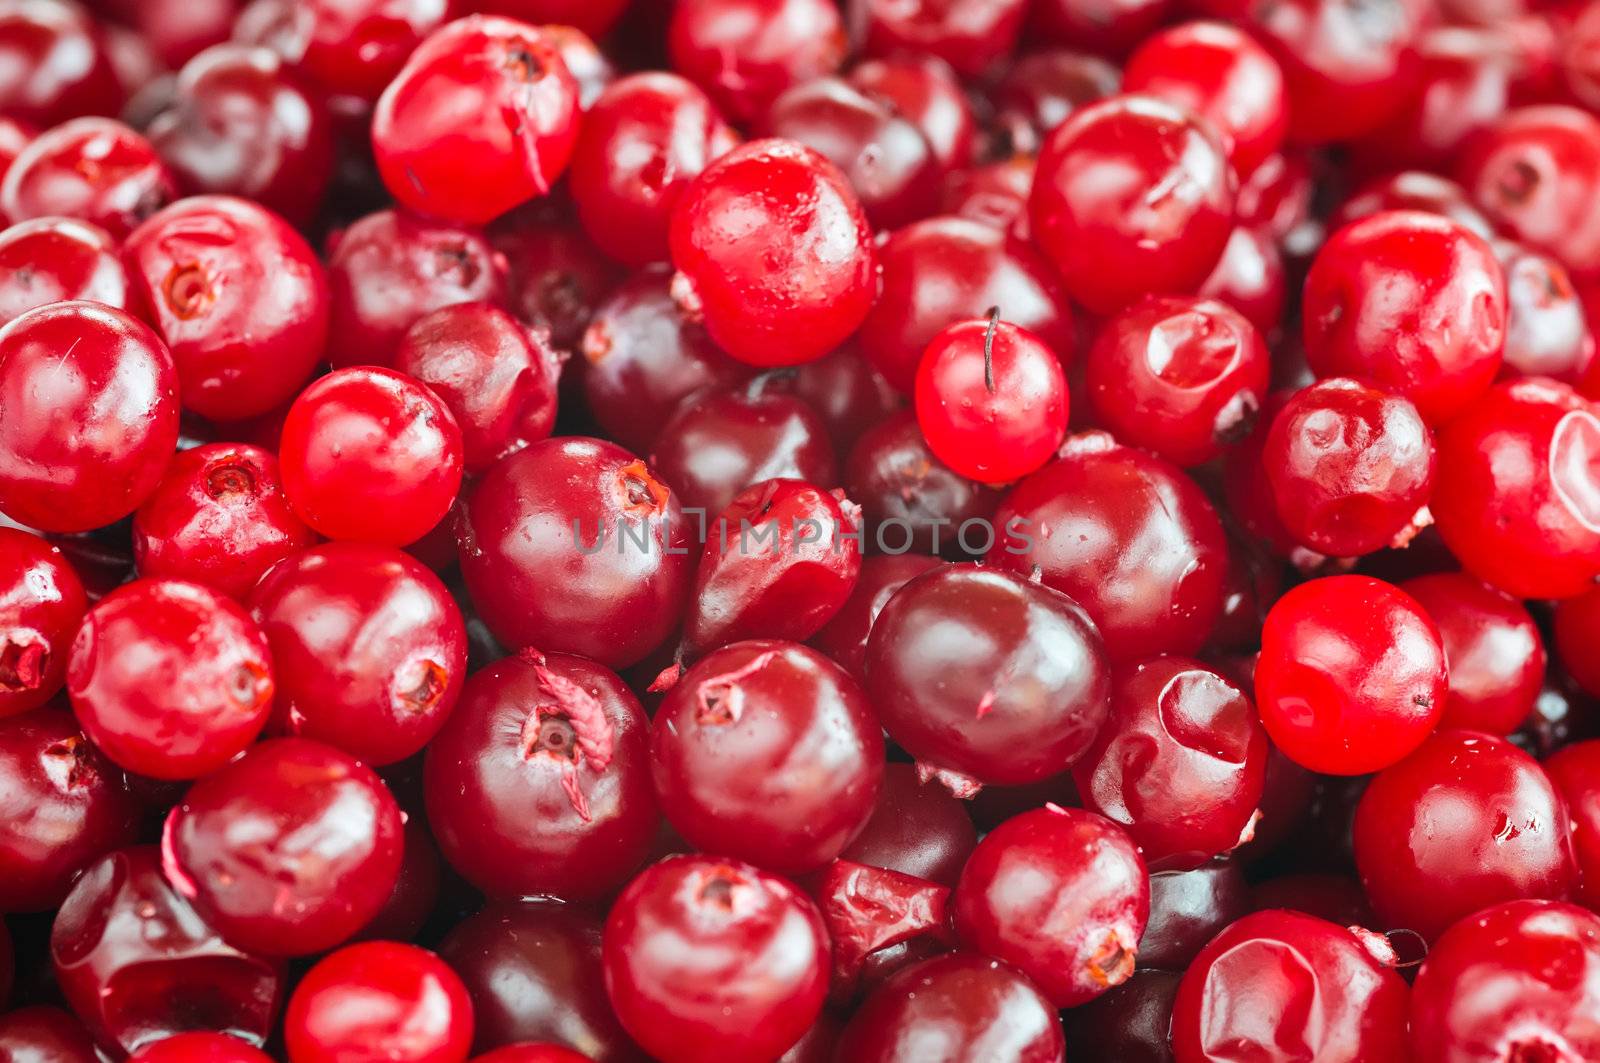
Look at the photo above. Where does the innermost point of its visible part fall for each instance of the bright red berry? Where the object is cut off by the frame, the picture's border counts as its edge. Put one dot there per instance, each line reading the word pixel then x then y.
pixel 93 169
pixel 383 999
pixel 42 602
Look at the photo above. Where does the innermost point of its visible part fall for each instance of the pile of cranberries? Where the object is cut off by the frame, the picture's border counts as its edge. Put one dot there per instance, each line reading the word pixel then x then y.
pixel 799 531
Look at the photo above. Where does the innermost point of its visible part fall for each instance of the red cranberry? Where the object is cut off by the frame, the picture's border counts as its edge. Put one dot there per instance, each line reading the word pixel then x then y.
pixel 1288 985
pixel 1042 90
pixel 1547 333
pixel 644 139
pixel 995 195
pixel 573 546
pixel 700 950
pixel 1107 27
pixel 1160 227
pixel 1127 536
pixel 169 679
pixel 368 648
pixel 381 999
pixel 745 53
pixel 778 564
pixel 642 357
pixel 960 1008
pixel 721 442
pixel 917 829
pixel 970 35
pixel 844 638
pixel 482 118
pixel 1535 172
pixel 1346 65
pixel 539 782
pixel 593 17
pixel 1222 75
pixel 1129 1023
pixel 496 376
pixel 42 602
pixel 1517 496
pixel 1179 376
pixel 43 1034
pixel 879 922
pixel 533 972
pixel 1575 621
pixel 1352 675
pixel 389 269
pixel 1062 895
pixel 57 260
pixel 1187 909
pixel 557 276
pixel 410 904
pixel 805 285
pixel 1409 300
pixel 1279 196
pixel 991 399
pixel 139 965
pixel 769 752
pixel 845 390
pixel 1413 190
pixel 1251 277
pixel 356 47
pixel 986 675
pixel 1180 763
pixel 1494 653
pixel 910 500
pixel 1350 467
pixel 200 1048
pixel 88 415
pixel 289 850
pixel 240 123
pixel 924 90
pixel 63 804
pixel 1575 773
pixel 57 63
pixel 1517 980
pixel 93 169
pixel 217 518
pixel 371 455
pixel 942 270
pixel 1466 821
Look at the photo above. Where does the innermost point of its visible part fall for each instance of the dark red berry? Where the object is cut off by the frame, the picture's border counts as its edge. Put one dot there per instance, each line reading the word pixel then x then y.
pixel 1494 652
pixel 917 829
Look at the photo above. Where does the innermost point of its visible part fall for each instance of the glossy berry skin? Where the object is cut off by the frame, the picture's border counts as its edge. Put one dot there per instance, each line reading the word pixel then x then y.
pixel 991 399
pixel 241 123
pixel 918 828
pixel 910 500
pixel 94 169
pixel 58 64
pixel 942 270
pixel 1534 172
pixel 370 455
pixel 1413 190
pixel 1222 75
pixel 240 299
pixel 482 118
pixel 987 675
pixel 42 602
pixel 778 563
pixel 643 357
pixel 218 518
pixel 970 35
pixel 1575 773
pixel 1040 91
pixel 1149 574
pixel 171 680
pixel 700 950
pixel 844 638
pixel 1411 301
pixel 1351 676
pixel 1129 1022
pixel 379 682
pixel 644 139
pixel 1179 376
pixel 1180 763
pixel 1160 227
pixel 88 416
pixel 539 782
pixel 1515 980
pixel 496 376
pixel 845 391
pixel 924 90
pixel 64 807
pixel 1574 622
pixel 556 276
pixel 1533 527
pixel 1188 908
pixel 1466 821
pixel 878 922
pixel 958 1008
pixel 357 48
pixel 138 964
pixel 1493 649
pixel 527 538
pixel 805 285
pixel 769 752
pixel 44 1034
pixel 389 269
pixel 1547 333
pixel 1285 985
pixel 56 260
pixel 199 1048
pixel 1062 895
pixel 381 999
pixel 745 53
pixel 1351 467
pixel 287 851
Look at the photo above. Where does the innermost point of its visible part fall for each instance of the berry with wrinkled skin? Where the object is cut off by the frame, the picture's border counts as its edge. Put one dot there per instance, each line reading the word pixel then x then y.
pixel 42 602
